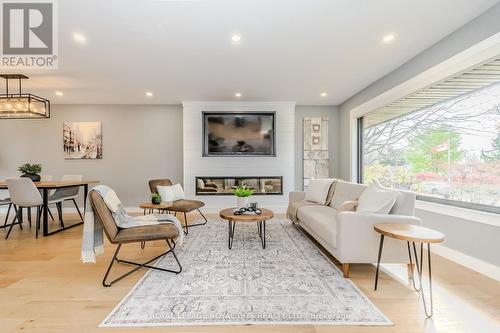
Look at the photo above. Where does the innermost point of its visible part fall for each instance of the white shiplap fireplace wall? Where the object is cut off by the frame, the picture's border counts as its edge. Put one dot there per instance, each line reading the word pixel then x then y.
pixel 197 165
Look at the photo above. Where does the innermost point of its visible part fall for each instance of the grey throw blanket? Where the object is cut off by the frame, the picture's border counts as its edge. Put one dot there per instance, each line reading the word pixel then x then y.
pixel 92 242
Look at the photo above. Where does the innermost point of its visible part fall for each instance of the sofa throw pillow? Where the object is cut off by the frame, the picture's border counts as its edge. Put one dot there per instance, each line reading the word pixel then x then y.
pixel 171 193
pixel 317 190
pixel 345 191
pixel 348 206
pixel 376 199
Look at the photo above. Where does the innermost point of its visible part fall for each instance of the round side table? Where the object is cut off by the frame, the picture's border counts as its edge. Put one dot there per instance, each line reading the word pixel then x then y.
pixel 414 234
pixel 150 207
pixel 229 215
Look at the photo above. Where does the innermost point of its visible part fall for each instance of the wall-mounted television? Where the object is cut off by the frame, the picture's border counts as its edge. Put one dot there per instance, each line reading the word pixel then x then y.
pixel 239 134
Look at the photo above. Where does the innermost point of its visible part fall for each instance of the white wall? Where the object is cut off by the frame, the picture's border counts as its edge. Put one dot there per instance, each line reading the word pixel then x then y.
pixel 140 142
pixel 302 111
pixel 464 235
pixel 281 165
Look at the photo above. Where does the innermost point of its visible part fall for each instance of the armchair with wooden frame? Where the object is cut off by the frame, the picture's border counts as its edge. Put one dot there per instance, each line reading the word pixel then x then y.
pixel 183 206
pixel 119 236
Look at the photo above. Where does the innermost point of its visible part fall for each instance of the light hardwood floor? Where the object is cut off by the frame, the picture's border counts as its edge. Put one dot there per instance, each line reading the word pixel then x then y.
pixel 45 288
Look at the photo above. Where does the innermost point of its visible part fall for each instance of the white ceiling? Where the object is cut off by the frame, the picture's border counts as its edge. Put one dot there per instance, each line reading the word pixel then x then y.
pixel 289 50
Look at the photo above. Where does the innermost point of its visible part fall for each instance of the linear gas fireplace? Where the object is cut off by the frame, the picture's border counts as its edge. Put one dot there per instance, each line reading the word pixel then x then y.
pixel 225 185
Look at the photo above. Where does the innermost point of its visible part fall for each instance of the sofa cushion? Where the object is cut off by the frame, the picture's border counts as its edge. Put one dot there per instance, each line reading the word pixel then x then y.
pixel 318 190
pixel 345 191
pixel 321 220
pixel 376 199
pixel 405 203
pixel 348 206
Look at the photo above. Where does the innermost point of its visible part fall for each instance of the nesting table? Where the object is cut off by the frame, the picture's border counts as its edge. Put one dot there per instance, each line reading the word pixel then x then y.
pixel 150 207
pixel 229 215
pixel 414 234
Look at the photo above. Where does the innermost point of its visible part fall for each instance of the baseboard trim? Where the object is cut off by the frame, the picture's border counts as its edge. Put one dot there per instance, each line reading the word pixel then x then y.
pixel 465 260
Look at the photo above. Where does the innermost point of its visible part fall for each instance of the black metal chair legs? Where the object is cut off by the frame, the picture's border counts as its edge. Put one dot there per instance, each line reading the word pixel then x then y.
pixel 187 226
pixel 139 265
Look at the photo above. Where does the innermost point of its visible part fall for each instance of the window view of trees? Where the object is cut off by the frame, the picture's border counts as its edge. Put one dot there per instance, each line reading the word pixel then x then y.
pixel 450 150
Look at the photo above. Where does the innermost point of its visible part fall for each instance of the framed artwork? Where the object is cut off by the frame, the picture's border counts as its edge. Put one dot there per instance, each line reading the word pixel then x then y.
pixel 82 140
pixel 316 157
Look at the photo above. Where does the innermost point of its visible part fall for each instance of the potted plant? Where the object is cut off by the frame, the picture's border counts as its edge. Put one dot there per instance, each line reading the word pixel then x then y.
pixel 242 194
pixel 155 198
pixel 31 171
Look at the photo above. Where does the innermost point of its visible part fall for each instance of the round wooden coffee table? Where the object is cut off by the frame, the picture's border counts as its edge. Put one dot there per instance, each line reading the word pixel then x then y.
pixel 260 219
pixel 414 234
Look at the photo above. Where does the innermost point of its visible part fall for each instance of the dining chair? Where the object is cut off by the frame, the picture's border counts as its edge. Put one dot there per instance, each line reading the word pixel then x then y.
pixel 5 202
pixel 66 194
pixel 24 194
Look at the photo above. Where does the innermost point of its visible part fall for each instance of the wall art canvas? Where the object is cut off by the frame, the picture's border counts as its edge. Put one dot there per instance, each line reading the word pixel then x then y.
pixel 316 157
pixel 82 140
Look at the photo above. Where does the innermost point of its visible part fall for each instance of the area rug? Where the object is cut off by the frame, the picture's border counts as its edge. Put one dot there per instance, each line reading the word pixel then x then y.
pixel 289 282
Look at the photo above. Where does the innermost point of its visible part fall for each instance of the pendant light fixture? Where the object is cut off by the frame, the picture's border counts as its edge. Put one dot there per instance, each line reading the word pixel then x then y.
pixel 21 105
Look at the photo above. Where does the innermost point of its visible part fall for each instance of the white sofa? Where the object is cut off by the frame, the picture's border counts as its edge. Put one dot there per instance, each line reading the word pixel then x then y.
pixel 349 235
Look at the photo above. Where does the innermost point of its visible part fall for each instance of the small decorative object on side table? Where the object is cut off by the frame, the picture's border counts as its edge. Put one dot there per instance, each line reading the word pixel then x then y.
pixel 242 194
pixel 155 198
pixel 415 234
pixel 230 215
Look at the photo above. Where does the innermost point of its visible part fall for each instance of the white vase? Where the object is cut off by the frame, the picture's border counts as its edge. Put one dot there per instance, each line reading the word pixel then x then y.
pixel 242 202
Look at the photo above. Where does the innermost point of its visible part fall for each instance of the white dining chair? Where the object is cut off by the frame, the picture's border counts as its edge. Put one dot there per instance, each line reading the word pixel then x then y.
pixel 5 202
pixel 46 178
pixel 66 194
pixel 24 194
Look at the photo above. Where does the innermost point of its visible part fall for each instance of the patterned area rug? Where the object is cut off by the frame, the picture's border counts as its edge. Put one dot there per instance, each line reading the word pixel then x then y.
pixel 290 282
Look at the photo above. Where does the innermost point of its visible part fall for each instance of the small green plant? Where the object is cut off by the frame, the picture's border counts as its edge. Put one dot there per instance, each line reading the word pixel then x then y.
pixel 243 191
pixel 30 168
pixel 155 198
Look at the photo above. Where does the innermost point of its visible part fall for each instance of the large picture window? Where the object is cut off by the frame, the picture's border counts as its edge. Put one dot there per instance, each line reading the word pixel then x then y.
pixel 448 152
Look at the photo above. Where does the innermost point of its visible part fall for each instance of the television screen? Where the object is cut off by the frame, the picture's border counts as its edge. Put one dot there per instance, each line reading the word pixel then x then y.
pixel 237 134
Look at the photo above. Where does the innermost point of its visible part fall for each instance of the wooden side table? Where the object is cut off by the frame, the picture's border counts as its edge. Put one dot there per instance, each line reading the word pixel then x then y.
pixel 150 207
pixel 414 234
pixel 228 214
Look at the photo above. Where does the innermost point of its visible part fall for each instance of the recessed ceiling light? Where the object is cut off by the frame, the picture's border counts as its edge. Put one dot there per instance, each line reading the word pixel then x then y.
pixel 323 94
pixel 79 38
pixel 237 94
pixel 236 38
pixel 149 94
pixel 59 93
pixel 389 38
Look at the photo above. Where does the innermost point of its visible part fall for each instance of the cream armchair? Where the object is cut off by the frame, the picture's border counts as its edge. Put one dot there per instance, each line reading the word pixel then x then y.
pixel 349 236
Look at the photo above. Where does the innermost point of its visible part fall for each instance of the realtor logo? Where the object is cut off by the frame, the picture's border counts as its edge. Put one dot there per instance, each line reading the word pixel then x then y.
pixel 29 34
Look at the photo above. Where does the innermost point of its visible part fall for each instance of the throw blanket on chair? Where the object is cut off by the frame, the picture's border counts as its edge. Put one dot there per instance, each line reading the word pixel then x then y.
pixel 93 244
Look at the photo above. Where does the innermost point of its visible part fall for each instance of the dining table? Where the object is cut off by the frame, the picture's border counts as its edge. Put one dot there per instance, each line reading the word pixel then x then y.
pixel 45 187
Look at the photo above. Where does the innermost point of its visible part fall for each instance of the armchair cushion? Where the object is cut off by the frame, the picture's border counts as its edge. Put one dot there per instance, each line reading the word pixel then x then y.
pixel 185 205
pixel 146 233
